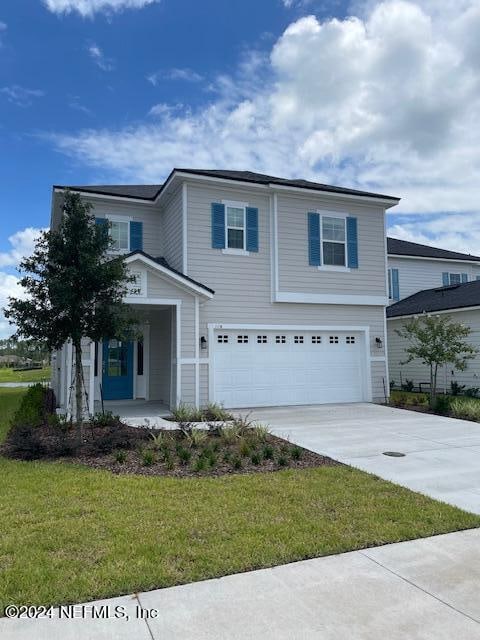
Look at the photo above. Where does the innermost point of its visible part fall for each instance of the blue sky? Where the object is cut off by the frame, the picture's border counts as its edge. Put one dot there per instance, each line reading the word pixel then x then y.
pixel 381 95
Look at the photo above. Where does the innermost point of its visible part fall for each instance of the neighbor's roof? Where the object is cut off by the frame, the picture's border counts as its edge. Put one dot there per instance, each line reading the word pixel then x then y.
pixel 151 191
pixel 457 296
pixel 403 248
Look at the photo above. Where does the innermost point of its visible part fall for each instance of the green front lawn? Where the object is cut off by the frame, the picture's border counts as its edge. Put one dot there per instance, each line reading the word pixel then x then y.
pixel 34 375
pixel 70 533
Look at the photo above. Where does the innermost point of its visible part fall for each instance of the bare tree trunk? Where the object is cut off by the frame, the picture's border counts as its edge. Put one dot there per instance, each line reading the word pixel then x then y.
pixel 78 390
pixel 433 390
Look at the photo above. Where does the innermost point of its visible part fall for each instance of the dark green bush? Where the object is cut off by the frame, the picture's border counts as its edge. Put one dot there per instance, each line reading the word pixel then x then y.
pixel 32 410
pixel 456 389
pixel 442 405
pixel 24 443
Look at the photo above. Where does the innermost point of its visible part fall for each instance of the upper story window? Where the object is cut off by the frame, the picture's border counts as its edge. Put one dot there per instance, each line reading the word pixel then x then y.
pixel 453 278
pixel 119 233
pixel 235 227
pixel 334 241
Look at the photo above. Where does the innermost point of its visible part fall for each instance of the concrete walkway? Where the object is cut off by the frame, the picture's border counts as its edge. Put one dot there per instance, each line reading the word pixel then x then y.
pixel 419 590
pixel 442 454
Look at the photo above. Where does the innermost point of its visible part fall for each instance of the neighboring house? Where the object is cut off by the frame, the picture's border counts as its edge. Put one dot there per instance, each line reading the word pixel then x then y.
pixel 430 280
pixel 413 267
pixel 251 291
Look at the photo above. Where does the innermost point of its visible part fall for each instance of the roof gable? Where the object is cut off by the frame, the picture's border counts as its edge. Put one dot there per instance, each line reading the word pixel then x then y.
pixel 411 249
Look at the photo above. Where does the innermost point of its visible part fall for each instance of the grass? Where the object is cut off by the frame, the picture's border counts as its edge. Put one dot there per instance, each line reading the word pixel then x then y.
pixel 9 401
pixel 70 534
pixel 35 375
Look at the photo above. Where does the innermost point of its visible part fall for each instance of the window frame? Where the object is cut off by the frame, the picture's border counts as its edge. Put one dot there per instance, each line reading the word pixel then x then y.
pixel 233 204
pixel 340 216
pixel 118 218
pixel 450 283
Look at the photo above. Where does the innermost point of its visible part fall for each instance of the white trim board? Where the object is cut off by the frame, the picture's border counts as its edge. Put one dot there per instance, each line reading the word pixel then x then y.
pixel 327 298
pixel 458 260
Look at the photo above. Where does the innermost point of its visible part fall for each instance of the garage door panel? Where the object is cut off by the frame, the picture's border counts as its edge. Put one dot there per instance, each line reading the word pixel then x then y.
pixel 308 368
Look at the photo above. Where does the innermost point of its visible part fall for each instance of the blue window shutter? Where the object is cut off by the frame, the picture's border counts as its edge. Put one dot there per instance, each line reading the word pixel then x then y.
pixel 252 228
pixel 464 277
pixel 395 285
pixel 136 236
pixel 314 239
pixel 103 224
pixel 218 225
pixel 477 277
pixel 352 243
pixel 445 279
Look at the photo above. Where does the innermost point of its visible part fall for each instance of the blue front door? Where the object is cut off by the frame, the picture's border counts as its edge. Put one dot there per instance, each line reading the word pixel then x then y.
pixel 117 376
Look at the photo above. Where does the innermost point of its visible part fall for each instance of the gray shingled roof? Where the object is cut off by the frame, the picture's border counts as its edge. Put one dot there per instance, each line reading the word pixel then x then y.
pixel 151 191
pixel 441 299
pixel 404 248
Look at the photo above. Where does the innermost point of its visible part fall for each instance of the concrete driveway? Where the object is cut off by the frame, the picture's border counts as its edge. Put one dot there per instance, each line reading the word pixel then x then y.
pixel 442 454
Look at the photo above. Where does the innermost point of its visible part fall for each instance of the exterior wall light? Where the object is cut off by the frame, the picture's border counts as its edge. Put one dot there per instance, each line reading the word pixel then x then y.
pixel 379 343
pixel 203 342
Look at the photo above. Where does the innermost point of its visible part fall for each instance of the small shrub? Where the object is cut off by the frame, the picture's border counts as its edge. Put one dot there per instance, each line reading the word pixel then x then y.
pixel 148 457
pixel 244 448
pixel 230 434
pixel 456 389
pixel 392 384
pixel 282 461
pixel 260 433
pixel 211 459
pixel 267 452
pixel 196 437
pixel 237 463
pixel 256 458
pixel 24 443
pixel 442 405
pixel 216 413
pixel 465 408
pixel 186 413
pixel 120 456
pixel 227 456
pixel 169 463
pixel 106 419
pixel 200 464
pixel 296 453
pixel 31 411
pixel 408 385
pixel 243 424
pixel 158 441
pixel 398 399
pixel 59 423
pixel 184 455
pixel 472 392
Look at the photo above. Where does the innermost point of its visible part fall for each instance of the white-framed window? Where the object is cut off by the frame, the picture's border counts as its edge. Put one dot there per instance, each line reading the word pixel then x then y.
pixel 235 233
pixel 316 339
pixel 333 339
pixel 222 339
pixel 298 339
pixel 280 339
pixel 242 339
pixel 119 232
pixel 334 241
pixel 350 339
pixel 262 339
pixel 455 278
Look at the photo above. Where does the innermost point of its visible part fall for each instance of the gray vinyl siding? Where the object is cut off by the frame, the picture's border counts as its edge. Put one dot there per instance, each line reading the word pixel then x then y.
pixel 419 372
pixel 295 273
pixel 188 383
pixel 172 227
pixel 150 216
pixel 242 284
pixel 416 275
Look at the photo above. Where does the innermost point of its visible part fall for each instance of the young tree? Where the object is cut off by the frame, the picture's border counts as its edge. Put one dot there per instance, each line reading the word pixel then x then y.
pixel 437 340
pixel 73 290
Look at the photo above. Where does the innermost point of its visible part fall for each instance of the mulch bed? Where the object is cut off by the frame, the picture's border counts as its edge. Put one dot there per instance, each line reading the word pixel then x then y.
pixel 102 444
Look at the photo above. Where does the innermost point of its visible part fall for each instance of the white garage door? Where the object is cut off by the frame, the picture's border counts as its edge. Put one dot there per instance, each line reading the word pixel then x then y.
pixel 254 368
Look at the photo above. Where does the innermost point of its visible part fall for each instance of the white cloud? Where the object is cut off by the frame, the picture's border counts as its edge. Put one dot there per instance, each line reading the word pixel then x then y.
pixel 387 101
pixel 188 75
pixel 87 8
pixel 97 55
pixel 21 96
pixel 457 232
pixel 22 245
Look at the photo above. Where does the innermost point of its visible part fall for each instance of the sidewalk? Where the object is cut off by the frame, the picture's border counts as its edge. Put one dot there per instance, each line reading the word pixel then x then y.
pixel 413 590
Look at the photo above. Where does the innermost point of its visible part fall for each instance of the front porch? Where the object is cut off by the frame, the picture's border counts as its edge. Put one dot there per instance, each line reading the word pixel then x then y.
pixel 137 412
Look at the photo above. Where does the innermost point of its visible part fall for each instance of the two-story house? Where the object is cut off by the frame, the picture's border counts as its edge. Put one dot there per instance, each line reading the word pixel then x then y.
pixel 250 291
pixel 424 279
